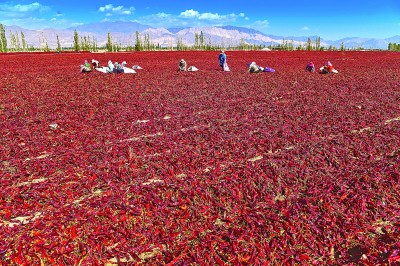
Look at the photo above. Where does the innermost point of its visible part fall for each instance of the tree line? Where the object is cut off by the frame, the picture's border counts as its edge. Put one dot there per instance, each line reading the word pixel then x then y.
pixel 142 42
pixel 392 46
pixel 310 45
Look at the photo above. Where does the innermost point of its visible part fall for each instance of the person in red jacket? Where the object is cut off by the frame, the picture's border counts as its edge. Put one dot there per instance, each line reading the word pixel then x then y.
pixel 327 69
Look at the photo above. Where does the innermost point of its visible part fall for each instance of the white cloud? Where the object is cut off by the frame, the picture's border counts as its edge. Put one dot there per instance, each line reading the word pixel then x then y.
pixel 28 16
pixel 8 11
pixel 106 7
pixel 189 14
pixel 305 28
pixel 25 8
pixel 190 18
pixel 76 24
pixel 261 25
pixel 210 16
pixel 162 15
pixel 110 10
pixel 196 15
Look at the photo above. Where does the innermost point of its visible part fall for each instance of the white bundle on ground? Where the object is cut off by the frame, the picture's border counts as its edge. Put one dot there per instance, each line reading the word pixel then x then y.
pixel 102 69
pixel 137 67
pixel 193 68
pixel 226 68
pixel 128 70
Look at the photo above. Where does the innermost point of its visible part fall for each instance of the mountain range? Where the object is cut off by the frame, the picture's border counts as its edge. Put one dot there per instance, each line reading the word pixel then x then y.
pixel 124 33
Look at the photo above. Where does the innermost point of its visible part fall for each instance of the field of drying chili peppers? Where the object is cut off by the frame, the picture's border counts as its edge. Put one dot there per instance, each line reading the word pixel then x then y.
pixel 200 168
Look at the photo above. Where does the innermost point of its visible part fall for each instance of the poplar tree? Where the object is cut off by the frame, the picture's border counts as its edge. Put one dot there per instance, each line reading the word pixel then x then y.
pixel 76 41
pixel 138 44
pixel 3 39
pixel 94 44
pixel 82 46
pixel 179 44
pixel 342 47
pixel 318 43
pixel 24 44
pixel 13 43
pixel 201 39
pixel 147 44
pixel 17 41
pixel 109 44
pixel 58 44
pixel 86 43
pixel 196 41
pixel 43 43
pixel 309 45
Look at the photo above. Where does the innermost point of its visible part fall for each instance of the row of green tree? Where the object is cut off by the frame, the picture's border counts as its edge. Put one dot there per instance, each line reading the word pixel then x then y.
pixel 392 46
pixel 310 45
pixel 17 42
pixel 143 43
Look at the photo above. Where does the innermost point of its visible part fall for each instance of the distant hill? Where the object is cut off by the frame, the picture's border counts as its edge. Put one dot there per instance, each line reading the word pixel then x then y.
pixel 175 30
pixel 395 39
pixel 124 33
pixel 241 29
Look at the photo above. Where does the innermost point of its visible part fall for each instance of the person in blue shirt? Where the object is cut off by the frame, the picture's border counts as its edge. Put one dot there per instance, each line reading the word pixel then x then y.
pixel 222 59
pixel 118 68
pixel 110 67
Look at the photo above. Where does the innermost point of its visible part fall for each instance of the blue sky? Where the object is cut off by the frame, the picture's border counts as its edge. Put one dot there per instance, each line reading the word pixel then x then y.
pixel 331 20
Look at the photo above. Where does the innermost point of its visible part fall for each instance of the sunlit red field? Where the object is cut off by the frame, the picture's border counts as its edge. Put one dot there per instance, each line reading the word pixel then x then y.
pixel 202 168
